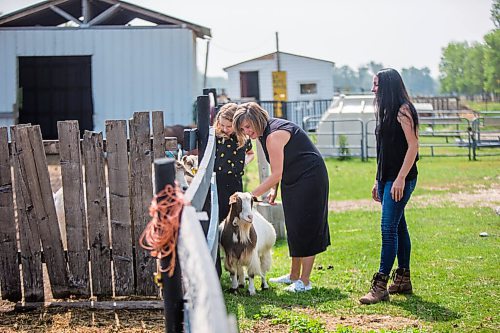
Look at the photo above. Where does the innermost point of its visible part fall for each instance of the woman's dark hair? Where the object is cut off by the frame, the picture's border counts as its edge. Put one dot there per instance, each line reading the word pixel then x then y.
pixel 390 96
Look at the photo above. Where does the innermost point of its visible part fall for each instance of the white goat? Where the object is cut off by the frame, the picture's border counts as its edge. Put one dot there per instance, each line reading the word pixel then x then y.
pixel 247 238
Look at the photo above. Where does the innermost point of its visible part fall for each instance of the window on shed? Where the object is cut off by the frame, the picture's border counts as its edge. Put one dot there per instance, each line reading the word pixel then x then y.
pixel 308 88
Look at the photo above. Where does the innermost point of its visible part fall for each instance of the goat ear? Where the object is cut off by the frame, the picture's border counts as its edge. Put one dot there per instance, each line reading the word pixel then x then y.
pixel 233 199
pixel 256 199
pixel 184 158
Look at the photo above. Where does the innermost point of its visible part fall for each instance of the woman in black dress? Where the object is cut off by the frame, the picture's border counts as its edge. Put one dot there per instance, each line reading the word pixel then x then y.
pixel 298 165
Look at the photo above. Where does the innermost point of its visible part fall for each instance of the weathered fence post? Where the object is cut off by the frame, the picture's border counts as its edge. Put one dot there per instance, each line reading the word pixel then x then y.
pixel 9 277
pixel 213 103
pixel 172 286
pixel 203 108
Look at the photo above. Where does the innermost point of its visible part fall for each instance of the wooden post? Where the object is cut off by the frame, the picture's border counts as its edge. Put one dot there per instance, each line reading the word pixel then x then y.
pixel 9 277
pixel 203 129
pixel 213 107
pixel 74 207
pixel 172 286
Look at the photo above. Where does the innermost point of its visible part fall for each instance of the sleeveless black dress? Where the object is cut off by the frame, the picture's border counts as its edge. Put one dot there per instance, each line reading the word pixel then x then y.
pixel 304 191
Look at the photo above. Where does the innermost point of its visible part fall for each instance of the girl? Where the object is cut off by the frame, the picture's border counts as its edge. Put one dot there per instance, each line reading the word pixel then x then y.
pixel 397 155
pixel 233 152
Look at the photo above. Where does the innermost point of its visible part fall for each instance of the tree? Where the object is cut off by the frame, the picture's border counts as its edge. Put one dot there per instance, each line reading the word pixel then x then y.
pixel 492 61
pixel 495 13
pixel 418 81
pixel 345 79
pixel 365 79
pixel 452 69
pixel 473 75
pixel 374 67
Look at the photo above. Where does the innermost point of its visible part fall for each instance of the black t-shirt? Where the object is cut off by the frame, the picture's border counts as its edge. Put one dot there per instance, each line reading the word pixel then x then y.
pixel 229 160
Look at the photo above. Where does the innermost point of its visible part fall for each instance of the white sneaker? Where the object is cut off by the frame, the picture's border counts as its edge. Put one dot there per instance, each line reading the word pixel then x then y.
pixel 285 279
pixel 298 286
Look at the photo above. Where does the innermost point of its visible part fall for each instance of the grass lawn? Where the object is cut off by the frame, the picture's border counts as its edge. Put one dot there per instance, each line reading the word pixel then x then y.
pixel 455 272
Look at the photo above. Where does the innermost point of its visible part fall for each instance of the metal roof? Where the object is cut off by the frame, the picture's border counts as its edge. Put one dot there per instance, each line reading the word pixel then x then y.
pixel 270 56
pixel 86 13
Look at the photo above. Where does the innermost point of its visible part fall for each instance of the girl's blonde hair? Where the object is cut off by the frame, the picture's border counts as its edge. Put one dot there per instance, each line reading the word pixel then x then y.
pixel 227 112
pixel 254 114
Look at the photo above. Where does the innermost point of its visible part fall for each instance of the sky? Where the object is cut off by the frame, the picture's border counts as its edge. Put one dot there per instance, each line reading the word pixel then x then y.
pixel 396 33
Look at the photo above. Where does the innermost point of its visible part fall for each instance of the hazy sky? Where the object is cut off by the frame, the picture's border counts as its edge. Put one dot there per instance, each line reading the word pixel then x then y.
pixel 397 33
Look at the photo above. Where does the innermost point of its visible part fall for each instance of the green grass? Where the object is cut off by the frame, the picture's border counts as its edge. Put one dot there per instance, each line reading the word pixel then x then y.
pixel 353 179
pixel 455 272
pixel 482 106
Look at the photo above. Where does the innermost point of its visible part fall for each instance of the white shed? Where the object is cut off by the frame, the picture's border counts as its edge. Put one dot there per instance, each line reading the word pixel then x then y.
pixel 306 78
pixel 81 59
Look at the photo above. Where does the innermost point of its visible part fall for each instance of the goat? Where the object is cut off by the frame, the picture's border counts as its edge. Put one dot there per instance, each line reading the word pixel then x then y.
pixel 182 176
pixel 247 239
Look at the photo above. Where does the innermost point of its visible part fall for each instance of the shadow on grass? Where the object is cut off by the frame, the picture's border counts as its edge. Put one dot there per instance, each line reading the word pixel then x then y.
pixel 426 310
pixel 276 297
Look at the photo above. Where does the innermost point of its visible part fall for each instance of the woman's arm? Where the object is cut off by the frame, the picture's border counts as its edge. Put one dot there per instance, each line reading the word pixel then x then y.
pixel 406 121
pixel 275 144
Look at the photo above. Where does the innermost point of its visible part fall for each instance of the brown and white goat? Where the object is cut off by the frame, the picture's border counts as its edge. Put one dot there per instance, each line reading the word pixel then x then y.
pixel 247 239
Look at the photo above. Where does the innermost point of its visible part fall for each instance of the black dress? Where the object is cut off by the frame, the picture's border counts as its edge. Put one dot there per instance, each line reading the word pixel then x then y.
pixel 229 164
pixel 304 191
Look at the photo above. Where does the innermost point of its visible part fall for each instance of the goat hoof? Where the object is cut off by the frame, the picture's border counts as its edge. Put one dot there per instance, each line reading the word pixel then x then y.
pixel 233 291
pixel 265 287
pixel 241 286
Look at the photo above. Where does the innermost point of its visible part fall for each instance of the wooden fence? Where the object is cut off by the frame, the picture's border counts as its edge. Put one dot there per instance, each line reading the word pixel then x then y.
pixel 102 258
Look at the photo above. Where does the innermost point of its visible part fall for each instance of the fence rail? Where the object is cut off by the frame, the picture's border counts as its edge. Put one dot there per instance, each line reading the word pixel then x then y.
pixel 442 133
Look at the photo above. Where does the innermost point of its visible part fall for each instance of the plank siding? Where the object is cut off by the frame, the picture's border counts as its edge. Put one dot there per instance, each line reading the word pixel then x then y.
pixel 29 239
pixel 119 205
pixel 10 280
pixel 97 215
pixel 74 207
pixel 46 217
pixel 141 193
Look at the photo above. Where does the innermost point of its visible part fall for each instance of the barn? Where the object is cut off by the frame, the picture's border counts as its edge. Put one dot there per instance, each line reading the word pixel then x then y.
pixel 88 60
pixel 306 78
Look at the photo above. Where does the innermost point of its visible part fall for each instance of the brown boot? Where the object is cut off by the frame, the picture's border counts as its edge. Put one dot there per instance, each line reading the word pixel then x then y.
pixel 378 291
pixel 401 282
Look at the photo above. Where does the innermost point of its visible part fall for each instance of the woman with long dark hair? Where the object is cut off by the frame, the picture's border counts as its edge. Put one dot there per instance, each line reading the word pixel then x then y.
pixel 397 154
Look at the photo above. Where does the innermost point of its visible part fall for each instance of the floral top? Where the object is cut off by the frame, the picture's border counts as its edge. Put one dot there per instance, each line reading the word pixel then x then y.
pixel 229 160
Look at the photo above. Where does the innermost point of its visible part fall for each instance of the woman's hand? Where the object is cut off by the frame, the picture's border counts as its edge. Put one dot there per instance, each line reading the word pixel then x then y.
pixel 397 189
pixel 272 196
pixel 375 193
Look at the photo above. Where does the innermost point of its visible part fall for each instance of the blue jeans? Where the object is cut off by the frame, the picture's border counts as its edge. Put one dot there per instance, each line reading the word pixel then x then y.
pixel 395 236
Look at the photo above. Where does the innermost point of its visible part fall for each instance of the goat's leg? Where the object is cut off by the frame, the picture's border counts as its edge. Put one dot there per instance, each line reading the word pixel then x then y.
pixel 241 277
pixel 253 269
pixel 232 273
pixel 265 264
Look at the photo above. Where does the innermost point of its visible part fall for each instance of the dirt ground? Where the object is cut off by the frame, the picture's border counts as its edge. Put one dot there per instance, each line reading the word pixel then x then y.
pixel 478 196
pixel 90 321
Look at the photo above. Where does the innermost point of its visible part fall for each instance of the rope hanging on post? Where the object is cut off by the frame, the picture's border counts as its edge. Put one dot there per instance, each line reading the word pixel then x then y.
pixel 161 233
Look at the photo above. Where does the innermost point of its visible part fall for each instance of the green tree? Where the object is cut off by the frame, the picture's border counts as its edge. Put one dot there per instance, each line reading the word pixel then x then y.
pixel 452 69
pixel 418 81
pixel 345 79
pixel 492 61
pixel 495 13
pixel 473 70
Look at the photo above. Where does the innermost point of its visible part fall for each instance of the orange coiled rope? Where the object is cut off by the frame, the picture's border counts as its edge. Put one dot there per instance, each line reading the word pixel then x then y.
pixel 161 233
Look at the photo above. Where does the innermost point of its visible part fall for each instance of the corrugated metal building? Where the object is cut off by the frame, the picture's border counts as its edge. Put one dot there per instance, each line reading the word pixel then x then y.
pixel 306 78
pixel 80 59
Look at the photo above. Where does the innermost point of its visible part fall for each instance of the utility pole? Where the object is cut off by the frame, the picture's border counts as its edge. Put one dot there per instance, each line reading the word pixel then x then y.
pixel 278 52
